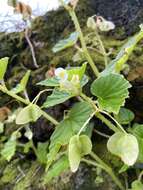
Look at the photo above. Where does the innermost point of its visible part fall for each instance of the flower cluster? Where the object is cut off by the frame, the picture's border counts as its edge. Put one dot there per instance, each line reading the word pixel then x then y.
pixel 98 22
pixel 70 85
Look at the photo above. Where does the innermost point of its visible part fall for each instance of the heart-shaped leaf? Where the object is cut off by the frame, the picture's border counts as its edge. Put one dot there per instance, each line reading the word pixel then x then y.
pixel 28 114
pixel 125 146
pixel 111 91
pixel 79 146
pixel 70 126
pixel 66 43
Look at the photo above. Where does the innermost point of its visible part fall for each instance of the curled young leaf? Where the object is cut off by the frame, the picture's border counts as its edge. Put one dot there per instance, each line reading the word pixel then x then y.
pixel 79 146
pixel 28 114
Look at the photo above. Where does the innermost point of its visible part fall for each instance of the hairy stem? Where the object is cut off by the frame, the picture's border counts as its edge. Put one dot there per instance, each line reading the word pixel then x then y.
pixel 27 102
pixel 103 51
pixel 81 37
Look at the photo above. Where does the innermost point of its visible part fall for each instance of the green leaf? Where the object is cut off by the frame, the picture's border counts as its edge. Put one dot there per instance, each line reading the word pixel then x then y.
pixel 23 83
pixel 88 129
pixel 57 168
pixel 51 156
pixel 111 91
pixel 137 130
pixel 70 126
pixel 125 146
pixel 3 67
pixel 80 71
pixel 57 97
pixel 28 114
pixel 66 43
pixel 117 64
pixel 10 146
pixel 137 185
pixel 79 146
pixel 125 116
pixel 52 82
pixel 41 152
pixel 85 145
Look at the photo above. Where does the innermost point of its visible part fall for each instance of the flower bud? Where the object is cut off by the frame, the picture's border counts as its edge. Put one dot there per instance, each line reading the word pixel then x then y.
pixel 91 23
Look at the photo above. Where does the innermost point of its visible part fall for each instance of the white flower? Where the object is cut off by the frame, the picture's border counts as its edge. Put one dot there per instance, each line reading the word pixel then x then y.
pixel 71 86
pixel 104 25
pixel 61 74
